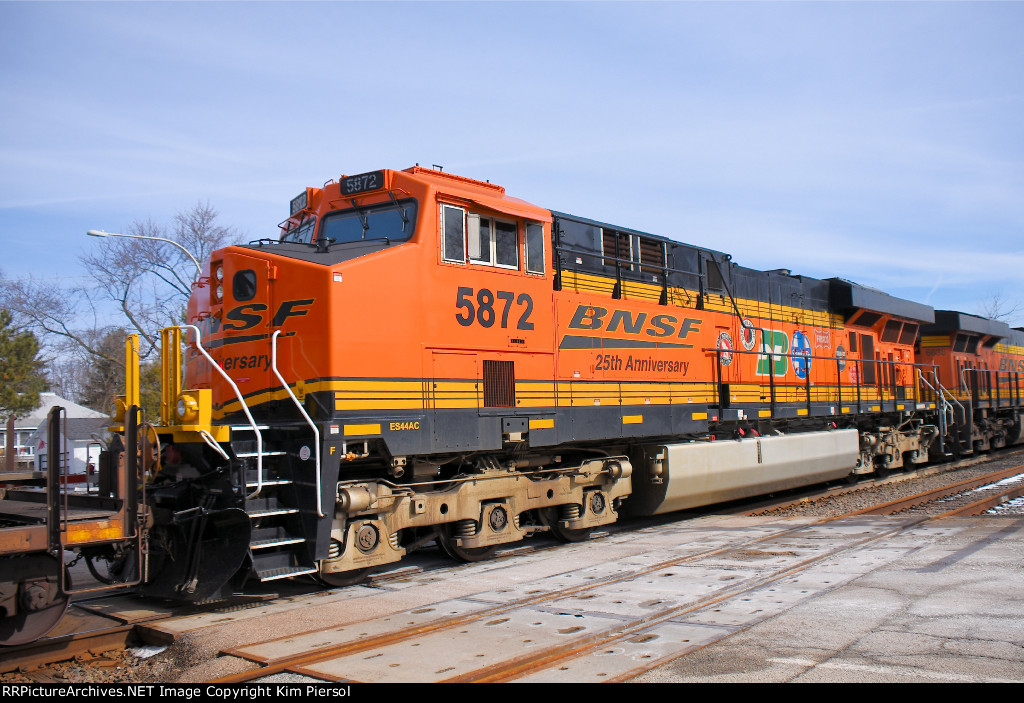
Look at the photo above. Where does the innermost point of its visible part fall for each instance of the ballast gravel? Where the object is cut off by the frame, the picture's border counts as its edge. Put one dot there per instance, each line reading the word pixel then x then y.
pixel 897 486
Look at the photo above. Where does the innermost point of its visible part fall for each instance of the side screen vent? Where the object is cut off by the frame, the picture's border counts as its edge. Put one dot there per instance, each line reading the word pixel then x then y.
pixel 499 384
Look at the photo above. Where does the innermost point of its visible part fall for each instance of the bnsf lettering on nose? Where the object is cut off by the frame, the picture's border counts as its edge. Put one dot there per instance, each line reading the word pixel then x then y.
pixel 589 317
pixel 247 316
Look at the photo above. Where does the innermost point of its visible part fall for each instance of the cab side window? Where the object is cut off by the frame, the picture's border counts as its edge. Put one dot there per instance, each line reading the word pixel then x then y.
pixel 486 240
pixel 453 234
pixel 506 244
pixel 492 242
pixel 534 248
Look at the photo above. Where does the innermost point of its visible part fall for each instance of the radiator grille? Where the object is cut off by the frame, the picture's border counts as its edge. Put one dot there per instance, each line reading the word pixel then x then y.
pixel 499 384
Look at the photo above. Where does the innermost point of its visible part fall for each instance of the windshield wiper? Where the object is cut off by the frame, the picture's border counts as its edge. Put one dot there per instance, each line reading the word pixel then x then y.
pixel 362 216
pixel 401 210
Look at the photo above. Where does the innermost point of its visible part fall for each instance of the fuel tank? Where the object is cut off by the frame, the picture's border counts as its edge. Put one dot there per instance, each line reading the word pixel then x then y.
pixel 670 477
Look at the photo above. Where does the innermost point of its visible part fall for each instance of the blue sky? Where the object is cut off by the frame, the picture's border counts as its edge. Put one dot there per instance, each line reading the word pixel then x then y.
pixel 880 142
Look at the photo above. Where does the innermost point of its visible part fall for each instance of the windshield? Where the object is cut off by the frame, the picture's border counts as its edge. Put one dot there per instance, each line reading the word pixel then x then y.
pixel 390 222
pixel 302 234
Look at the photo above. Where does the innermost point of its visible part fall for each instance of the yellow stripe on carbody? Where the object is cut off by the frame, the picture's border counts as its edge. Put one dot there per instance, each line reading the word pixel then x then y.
pixel 936 341
pixel 685 298
pixel 358 395
pixel 1014 349
pixel 361 430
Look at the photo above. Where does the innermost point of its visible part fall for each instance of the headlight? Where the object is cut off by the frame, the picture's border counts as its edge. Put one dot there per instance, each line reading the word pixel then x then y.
pixel 219 291
pixel 187 408
pixel 219 273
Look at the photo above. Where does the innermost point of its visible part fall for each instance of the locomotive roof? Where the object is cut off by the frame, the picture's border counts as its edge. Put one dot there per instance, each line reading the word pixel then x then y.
pixel 847 295
pixel 955 321
pixel 719 255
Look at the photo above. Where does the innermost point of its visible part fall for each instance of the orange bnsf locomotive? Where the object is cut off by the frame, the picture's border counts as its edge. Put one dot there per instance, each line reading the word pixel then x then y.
pixel 421 358
pixel 979 361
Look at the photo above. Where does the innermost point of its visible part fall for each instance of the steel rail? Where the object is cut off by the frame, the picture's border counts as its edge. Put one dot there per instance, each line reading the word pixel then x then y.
pixel 515 668
pixel 294 663
pixel 521 666
pixel 541 659
pixel 811 494
pixel 68 645
pixel 895 506
pixel 981 505
pixel 400 635
pixel 508 671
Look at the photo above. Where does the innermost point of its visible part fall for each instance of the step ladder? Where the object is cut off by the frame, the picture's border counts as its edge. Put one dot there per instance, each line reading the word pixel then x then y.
pixel 276 546
pixel 275 549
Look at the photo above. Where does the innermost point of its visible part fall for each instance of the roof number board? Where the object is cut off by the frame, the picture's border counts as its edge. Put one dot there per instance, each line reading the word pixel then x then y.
pixel 362 183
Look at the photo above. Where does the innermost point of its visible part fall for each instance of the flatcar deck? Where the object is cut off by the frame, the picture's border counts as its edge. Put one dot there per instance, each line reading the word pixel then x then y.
pixel 23 517
pixel 32 513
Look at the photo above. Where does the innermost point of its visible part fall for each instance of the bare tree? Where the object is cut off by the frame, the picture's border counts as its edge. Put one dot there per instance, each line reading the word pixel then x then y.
pixel 998 307
pixel 148 281
pixel 151 280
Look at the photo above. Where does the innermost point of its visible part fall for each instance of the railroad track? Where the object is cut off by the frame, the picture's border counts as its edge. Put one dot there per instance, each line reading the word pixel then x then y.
pixel 92 639
pixel 80 634
pixel 801 497
pixel 96 625
pixel 85 632
pixel 956 499
pixel 426 648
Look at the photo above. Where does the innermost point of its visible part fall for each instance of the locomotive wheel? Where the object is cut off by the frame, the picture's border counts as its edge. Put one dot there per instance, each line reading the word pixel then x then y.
pixel 446 540
pixel 564 534
pixel 338 579
pixel 28 626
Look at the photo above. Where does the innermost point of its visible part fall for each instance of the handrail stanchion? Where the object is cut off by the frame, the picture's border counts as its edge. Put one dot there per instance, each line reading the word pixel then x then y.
pixel 309 421
pixel 245 409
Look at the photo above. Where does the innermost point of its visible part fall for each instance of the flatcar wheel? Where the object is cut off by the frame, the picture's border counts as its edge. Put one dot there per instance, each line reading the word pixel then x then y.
pixel 564 534
pixel 40 606
pixel 338 579
pixel 446 540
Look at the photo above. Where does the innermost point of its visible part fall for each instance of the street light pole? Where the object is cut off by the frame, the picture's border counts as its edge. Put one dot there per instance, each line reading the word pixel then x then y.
pixel 101 233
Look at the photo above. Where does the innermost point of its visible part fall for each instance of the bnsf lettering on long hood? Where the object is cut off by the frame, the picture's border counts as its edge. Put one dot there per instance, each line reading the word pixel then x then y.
pixel 1014 365
pixel 593 318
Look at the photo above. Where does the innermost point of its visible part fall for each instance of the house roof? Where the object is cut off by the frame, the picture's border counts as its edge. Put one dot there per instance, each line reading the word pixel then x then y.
pixel 78 429
pixel 47 401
